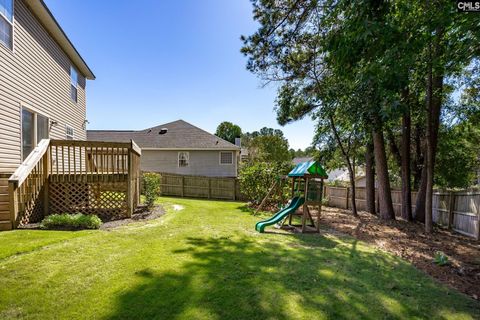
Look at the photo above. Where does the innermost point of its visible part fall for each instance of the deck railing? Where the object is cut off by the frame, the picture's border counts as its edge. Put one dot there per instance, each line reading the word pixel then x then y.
pixel 75 176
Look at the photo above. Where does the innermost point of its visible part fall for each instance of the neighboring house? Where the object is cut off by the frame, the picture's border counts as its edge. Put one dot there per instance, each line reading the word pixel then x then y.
pixel 343 176
pixel 42 82
pixel 179 147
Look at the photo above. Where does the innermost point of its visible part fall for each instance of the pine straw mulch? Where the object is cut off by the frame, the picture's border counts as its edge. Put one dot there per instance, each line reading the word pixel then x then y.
pixel 409 241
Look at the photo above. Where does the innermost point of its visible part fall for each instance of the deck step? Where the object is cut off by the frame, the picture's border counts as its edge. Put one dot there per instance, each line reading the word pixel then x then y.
pixel 5 225
pixel 3 182
pixel 3 197
pixel 3 189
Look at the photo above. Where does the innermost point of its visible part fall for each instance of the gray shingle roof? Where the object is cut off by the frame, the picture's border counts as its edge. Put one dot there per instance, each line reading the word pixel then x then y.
pixel 180 135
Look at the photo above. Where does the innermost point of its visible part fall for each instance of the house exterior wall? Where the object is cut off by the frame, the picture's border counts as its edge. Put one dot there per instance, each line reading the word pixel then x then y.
pixel 201 163
pixel 35 75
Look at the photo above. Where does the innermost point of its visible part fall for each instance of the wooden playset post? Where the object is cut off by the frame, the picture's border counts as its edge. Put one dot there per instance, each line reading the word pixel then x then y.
pixel 319 212
pixel 305 206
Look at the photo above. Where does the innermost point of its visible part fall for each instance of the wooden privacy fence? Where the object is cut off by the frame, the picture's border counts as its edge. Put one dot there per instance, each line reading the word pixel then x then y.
pixel 67 176
pixel 198 187
pixel 459 211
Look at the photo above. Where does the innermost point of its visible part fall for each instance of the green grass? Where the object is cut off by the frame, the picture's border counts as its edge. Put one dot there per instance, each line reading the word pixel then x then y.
pixel 207 262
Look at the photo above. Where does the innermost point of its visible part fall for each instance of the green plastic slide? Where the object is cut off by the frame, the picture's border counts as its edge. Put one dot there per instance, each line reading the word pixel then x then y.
pixel 295 203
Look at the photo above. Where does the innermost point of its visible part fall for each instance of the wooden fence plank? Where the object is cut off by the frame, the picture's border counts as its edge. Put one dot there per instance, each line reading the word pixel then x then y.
pixel 198 186
pixel 458 211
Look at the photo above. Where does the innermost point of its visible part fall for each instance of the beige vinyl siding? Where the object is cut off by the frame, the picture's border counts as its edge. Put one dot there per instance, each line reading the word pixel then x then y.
pixel 36 74
pixel 201 163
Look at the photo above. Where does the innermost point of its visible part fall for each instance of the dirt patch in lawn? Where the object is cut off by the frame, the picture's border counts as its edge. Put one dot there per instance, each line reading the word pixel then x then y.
pixel 409 241
pixel 141 214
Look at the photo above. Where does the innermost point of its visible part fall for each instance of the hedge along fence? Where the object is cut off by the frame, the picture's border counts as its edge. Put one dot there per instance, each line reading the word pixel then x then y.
pixel 458 211
pixel 199 187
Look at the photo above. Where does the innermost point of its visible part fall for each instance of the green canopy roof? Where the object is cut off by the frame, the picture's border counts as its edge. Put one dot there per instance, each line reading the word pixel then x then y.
pixel 308 168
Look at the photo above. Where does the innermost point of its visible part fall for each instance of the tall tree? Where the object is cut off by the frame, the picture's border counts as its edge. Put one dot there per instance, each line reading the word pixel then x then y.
pixel 370 178
pixel 228 131
pixel 269 145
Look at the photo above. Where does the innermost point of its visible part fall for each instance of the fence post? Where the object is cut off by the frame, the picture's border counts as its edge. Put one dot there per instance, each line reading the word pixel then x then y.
pixel 209 188
pixel 183 186
pixel 450 210
pixel 478 226
pixel 324 194
pixel 234 189
pixel 347 196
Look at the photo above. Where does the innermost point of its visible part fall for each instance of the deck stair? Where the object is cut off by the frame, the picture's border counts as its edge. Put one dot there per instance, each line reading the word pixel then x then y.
pixel 5 223
pixel 70 176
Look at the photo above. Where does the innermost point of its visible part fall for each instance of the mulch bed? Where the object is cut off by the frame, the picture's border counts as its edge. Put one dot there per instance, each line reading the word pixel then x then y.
pixel 141 214
pixel 409 241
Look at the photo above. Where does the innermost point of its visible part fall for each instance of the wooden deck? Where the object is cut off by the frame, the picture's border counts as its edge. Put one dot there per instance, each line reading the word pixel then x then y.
pixel 62 176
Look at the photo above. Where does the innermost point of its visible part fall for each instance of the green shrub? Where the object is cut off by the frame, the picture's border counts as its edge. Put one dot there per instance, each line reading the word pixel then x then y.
pixel 256 179
pixel 440 258
pixel 71 221
pixel 151 188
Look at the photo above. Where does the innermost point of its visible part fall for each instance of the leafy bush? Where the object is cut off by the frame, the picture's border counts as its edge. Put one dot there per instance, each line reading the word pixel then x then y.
pixel 71 221
pixel 257 178
pixel 440 258
pixel 151 188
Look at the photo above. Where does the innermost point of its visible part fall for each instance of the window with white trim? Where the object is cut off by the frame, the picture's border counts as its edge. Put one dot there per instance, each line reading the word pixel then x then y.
pixel 35 127
pixel 69 132
pixel 226 157
pixel 6 23
pixel 183 159
pixel 73 83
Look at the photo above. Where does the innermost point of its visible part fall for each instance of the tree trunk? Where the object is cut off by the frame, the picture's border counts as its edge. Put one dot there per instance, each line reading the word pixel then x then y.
pixel 352 191
pixel 384 192
pixel 370 179
pixel 405 161
pixel 422 190
pixel 434 105
pixel 434 101
pixel 418 166
pixel 394 148
pixel 346 156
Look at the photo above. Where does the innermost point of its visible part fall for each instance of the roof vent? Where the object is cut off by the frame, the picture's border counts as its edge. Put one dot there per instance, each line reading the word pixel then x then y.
pixel 163 131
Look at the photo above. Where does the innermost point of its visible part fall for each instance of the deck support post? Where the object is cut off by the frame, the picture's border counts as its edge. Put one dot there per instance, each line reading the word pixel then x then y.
pixel 130 177
pixel 13 198
pixel 46 170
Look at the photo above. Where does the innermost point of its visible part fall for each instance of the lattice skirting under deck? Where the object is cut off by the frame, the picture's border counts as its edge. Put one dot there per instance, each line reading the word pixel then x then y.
pixel 108 200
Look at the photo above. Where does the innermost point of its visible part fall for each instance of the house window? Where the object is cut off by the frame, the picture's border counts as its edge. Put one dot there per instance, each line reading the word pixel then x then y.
pixel 69 132
pixel 183 158
pixel 42 127
pixel 34 129
pixel 226 157
pixel 28 132
pixel 73 83
pixel 6 23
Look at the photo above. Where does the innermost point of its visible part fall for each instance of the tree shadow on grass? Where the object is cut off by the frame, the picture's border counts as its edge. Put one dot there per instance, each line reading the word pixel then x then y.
pixel 238 278
pixel 246 208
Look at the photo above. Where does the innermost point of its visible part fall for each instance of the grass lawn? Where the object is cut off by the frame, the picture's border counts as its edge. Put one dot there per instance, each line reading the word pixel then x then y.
pixel 207 262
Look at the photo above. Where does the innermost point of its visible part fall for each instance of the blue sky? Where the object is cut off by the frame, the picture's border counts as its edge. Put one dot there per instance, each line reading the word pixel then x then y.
pixel 159 61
